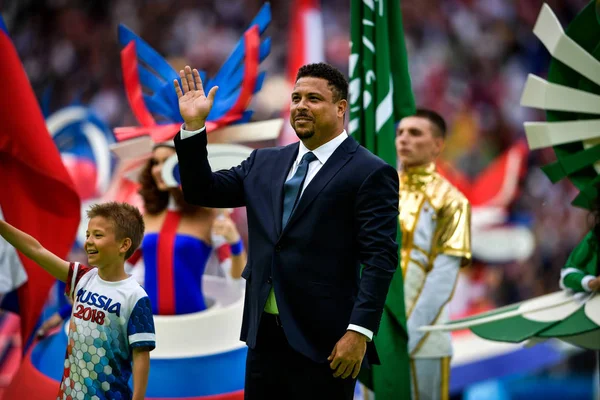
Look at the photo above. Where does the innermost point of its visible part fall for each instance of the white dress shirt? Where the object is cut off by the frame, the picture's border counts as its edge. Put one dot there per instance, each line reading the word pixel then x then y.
pixel 322 153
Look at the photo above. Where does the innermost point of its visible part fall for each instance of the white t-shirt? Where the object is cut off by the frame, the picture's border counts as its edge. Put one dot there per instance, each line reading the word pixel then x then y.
pixel 108 320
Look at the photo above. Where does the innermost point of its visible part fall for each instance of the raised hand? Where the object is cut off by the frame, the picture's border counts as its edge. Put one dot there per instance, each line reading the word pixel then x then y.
pixel 224 226
pixel 194 105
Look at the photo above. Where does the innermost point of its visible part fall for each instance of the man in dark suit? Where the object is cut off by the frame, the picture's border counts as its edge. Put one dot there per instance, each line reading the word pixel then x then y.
pixel 317 211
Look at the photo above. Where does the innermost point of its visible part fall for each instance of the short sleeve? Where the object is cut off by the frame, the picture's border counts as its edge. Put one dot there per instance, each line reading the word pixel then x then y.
pixel 76 272
pixel 453 236
pixel 140 328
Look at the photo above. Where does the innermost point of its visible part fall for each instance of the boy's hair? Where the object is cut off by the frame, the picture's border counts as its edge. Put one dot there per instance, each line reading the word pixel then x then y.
pixel 126 219
pixel 439 125
pixel 337 81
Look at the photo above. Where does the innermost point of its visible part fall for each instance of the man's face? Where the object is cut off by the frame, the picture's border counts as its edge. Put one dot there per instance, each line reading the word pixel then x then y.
pixel 416 142
pixel 313 113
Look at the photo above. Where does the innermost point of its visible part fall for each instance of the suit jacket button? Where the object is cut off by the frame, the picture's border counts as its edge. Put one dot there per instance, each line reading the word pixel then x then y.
pixel 277 248
pixel 269 281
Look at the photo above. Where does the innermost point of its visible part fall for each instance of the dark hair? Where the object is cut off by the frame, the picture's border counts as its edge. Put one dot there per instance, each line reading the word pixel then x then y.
pixel 436 120
pixel 126 219
pixel 337 81
pixel 155 200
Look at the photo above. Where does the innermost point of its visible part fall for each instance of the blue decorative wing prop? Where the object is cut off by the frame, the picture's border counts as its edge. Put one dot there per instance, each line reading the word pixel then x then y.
pixel 156 77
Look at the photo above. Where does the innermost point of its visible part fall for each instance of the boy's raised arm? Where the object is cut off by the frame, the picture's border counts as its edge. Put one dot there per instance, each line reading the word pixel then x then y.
pixel 31 248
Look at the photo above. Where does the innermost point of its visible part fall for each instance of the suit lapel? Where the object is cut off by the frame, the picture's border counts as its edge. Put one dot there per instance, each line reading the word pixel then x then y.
pixel 338 159
pixel 283 164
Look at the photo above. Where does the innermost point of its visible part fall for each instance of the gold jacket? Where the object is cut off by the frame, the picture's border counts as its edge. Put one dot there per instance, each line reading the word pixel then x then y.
pixel 435 219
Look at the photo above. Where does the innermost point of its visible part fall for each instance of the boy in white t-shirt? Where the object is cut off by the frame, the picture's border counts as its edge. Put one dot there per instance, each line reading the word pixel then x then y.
pixel 111 323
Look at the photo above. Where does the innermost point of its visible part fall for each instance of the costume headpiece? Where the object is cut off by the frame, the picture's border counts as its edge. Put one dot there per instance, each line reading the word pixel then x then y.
pixel 238 80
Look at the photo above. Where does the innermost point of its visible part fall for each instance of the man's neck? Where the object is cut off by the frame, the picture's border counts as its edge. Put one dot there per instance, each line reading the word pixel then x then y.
pixel 416 166
pixel 312 142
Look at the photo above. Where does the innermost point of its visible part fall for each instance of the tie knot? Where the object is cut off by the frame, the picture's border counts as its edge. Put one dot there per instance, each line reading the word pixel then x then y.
pixel 308 157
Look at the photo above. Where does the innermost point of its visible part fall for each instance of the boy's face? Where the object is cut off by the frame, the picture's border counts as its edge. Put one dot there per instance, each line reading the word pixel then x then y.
pixel 101 244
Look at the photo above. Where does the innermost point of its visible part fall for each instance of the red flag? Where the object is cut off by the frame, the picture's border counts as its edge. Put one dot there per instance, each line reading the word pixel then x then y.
pixel 305 47
pixel 498 184
pixel 36 194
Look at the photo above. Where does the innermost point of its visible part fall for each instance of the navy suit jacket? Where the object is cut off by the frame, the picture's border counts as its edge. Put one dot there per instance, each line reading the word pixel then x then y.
pixel 346 217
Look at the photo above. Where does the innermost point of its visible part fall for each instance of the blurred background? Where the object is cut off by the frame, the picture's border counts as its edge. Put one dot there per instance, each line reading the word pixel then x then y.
pixel 468 60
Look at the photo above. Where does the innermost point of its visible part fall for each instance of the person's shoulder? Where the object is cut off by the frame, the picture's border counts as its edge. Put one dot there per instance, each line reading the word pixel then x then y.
pixel 264 154
pixel 367 156
pixel 451 192
pixel 81 266
pixel 136 291
pixel 372 165
pixel 274 150
pixel 370 162
pixel 139 302
pixel 445 196
pixel 83 270
pixel 132 290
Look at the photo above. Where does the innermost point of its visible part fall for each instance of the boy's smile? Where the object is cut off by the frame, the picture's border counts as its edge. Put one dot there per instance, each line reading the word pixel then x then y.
pixel 101 245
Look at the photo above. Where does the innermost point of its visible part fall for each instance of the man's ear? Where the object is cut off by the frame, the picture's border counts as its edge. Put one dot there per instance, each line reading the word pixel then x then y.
pixel 342 106
pixel 439 145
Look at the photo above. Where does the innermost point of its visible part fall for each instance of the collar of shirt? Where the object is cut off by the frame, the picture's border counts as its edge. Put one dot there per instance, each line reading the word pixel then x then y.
pixel 324 151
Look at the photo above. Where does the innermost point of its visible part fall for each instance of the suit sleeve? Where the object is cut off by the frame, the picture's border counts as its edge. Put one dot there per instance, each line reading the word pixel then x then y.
pixel 201 186
pixel 377 220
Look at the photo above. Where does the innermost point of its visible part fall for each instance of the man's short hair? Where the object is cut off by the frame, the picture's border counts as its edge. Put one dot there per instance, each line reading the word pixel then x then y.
pixel 439 125
pixel 126 220
pixel 337 81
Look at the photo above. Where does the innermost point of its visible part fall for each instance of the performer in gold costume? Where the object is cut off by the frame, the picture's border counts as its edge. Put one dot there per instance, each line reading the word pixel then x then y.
pixel 435 219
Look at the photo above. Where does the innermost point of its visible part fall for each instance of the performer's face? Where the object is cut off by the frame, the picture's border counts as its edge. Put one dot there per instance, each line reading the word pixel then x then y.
pixel 416 142
pixel 159 156
pixel 314 114
pixel 101 244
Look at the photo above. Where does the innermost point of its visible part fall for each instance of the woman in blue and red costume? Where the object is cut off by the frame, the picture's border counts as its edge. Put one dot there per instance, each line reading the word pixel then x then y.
pixel 179 241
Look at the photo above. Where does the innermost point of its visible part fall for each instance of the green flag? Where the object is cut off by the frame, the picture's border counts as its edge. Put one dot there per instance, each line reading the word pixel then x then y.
pixel 381 95
pixel 380 90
